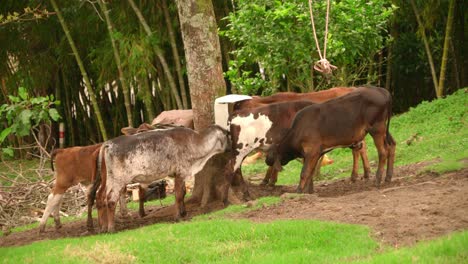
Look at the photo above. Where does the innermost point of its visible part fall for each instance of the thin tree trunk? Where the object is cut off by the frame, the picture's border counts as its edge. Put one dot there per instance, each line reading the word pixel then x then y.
pixel 115 49
pixel 426 46
pixel 159 54
pixel 147 98
pixel 448 39
pixel 82 69
pixel 175 53
pixel 388 75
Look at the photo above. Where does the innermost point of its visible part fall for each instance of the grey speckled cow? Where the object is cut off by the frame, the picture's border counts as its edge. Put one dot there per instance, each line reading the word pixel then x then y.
pixel 149 156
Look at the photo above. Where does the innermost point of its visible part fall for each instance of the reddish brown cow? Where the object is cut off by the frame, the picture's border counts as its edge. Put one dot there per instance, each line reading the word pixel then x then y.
pixel 339 122
pixel 72 166
pixel 316 97
pixel 260 122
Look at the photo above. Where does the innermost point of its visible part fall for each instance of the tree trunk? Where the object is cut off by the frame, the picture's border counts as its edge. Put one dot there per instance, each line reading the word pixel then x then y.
pixel 82 70
pixel 203 55
pixel 426 46
pixel 448 39
pixel 123 82
pixel 159 54
pixel 175 53
pixel 206 82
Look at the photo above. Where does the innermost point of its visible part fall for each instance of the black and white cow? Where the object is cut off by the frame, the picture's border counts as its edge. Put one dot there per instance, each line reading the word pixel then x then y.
pixel 149 156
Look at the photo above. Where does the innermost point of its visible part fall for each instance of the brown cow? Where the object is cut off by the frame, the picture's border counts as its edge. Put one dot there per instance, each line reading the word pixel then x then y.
pixel 316 97
pixel 72 166
pixel 261 121
pixel 340 122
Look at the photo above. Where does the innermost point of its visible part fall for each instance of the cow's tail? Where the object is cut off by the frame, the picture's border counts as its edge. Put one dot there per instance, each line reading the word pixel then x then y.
pixel 389 139
pixel 97 174
pixel 52 157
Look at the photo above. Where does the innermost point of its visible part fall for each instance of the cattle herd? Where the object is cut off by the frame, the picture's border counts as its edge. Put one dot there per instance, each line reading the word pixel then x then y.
pixel 285 126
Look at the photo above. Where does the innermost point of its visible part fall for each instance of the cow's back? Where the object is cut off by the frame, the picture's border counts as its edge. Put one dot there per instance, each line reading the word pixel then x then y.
pixel 76 164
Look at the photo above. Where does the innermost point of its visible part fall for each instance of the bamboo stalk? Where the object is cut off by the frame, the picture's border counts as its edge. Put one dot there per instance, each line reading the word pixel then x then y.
pixel 92 95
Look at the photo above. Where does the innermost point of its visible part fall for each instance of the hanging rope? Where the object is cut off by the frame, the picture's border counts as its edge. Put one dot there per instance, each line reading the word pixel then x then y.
pixel 323 65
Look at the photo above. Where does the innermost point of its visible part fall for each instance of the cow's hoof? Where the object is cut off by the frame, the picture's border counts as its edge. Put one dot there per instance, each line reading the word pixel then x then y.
pixel 41 231
pixel 58 226
pixel 183 213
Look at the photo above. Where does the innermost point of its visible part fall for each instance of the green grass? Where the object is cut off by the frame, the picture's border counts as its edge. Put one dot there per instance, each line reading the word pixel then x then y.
pixel 238 241
pixel 216 240
pixel 439 130
pixel 450 249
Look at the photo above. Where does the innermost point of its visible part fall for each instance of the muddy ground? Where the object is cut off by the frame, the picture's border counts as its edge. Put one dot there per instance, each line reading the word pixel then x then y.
pixel 419 206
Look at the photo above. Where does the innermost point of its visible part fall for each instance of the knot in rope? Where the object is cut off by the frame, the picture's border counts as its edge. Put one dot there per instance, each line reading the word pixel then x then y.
pixel 324 66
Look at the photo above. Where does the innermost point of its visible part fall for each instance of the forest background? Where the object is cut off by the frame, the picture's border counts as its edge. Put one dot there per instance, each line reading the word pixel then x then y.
pixel 98 66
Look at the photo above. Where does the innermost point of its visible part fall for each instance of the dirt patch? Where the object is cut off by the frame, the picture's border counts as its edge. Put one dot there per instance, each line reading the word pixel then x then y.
pixel 415 207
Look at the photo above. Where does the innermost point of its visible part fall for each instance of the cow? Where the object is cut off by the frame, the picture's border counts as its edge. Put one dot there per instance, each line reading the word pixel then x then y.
pixel 175 117
pixel 317 97
pixel 72 166
pixel 340 122
pixel 260 122
pixel 146 157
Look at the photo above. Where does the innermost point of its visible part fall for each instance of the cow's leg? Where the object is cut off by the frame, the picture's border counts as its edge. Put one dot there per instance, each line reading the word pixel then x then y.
pixel 391 146
pixel 267 177
pixel 141 201
pixel 53 200
pixel 310 162
pixel 89 221
pixel 123 203
pixel 179 189
pixel 354 173
pixel 273 176
pixel 112 198
pixel 379 141
pixel 101 205
pixel 309 186
pixel 111 206
pixel 57 214
pixel 365 160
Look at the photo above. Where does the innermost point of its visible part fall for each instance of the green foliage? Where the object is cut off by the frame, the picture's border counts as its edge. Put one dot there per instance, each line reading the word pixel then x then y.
pixel 277 36
pixel 25 113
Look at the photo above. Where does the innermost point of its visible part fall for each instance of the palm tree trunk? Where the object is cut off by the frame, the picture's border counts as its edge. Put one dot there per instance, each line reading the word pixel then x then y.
pixel 426 46
pixel 175 53
pixel 448 39
pixel 159 54
pixel 82 70
pixel 123 82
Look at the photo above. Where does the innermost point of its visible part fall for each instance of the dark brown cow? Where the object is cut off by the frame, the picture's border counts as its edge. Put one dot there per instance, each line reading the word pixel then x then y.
pixel 341 122
pixel 260 122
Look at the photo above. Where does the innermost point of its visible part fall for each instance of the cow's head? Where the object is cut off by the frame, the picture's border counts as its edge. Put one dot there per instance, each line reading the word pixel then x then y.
pixel 278 157
pixel 223 142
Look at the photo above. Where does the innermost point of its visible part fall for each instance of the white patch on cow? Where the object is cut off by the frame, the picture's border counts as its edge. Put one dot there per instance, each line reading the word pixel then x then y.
pixel 251 128
pixel 53 206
